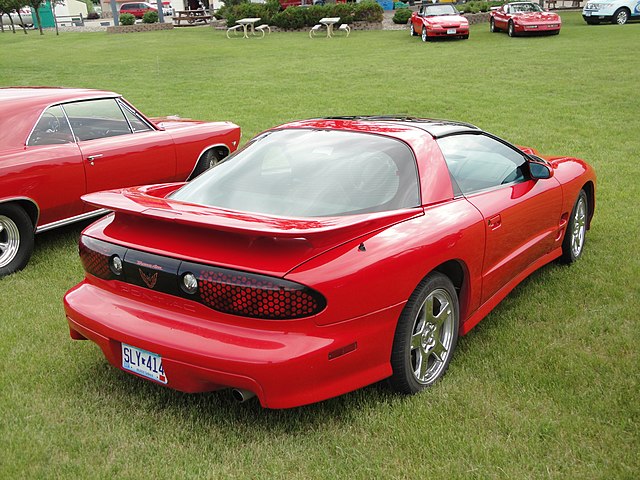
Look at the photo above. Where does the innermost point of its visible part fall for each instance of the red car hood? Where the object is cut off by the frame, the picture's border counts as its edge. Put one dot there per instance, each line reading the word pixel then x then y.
pixel 536 17
pixel 148 221
pixel 445 20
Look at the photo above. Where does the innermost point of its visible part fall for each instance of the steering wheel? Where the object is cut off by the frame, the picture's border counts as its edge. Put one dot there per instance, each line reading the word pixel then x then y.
pixel 53 122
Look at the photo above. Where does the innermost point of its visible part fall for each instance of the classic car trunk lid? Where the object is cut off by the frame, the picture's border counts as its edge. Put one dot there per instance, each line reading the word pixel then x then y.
pixel 146 220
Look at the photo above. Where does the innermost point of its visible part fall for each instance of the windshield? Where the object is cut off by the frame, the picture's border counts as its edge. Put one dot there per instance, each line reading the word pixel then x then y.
pixel 524 8
pixel 433 10
pixel 311 173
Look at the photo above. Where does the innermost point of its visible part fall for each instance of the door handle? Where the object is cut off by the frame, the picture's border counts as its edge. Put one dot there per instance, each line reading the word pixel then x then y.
pixel 494 222
pixel 91 158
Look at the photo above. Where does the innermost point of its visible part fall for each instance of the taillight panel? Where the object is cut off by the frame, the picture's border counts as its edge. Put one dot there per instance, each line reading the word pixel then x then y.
pixel 225 290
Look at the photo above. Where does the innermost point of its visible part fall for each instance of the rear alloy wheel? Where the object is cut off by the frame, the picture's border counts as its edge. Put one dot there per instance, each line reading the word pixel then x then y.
pixel 621 16
pixel 426 335
pixel 575 236
pixel 511 29
pixel 492 26
pixel 425 37
pixel 16 239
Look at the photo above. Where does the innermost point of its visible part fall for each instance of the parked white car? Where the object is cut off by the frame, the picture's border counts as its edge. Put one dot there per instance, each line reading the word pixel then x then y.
pixel 614 11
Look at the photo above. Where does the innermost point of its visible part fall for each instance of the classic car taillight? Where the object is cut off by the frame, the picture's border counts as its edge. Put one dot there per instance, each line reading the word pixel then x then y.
pixel 101 259
pixel 256 296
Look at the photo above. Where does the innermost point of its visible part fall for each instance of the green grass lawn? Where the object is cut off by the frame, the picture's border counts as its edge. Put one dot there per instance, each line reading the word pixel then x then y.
pixel 545 387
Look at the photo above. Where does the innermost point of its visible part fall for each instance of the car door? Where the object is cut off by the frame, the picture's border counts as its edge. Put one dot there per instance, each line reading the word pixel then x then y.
pixel 119 148
pixel 521 214
pixel 500 18
pixel 51 170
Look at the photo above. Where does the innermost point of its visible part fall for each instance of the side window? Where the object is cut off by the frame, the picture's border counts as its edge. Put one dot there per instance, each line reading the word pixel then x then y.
pixel 96 119
pixel 478 162
pixel 137 124
pixel 51 129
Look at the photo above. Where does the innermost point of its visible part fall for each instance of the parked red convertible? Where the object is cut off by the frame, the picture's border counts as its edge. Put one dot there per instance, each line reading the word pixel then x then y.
pixel 520 18
pixel 325 256
pixel 437 21
pixel 57 144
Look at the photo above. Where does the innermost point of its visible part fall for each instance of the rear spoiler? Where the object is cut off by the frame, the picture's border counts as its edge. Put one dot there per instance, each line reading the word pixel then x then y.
pixel 150 202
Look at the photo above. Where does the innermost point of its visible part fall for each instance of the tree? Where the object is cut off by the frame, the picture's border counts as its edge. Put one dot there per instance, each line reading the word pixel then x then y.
pixel 6 7
pixel 35 7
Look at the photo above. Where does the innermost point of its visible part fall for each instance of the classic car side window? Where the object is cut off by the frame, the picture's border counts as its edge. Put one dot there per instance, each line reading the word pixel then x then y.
pixel 136 123
pixel 51 129
pixel 96 119
pixel 478 162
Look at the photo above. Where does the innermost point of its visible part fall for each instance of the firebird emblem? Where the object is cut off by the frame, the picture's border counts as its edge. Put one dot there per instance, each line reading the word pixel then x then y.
pixel 149 280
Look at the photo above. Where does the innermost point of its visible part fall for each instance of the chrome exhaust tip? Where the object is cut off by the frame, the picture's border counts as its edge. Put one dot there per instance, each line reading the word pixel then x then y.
pixel 241 395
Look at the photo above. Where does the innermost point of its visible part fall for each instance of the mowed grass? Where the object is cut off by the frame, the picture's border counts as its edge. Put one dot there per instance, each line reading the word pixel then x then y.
pixel 545 387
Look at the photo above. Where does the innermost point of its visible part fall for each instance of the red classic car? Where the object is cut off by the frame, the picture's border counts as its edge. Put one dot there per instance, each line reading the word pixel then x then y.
pixel 520 18
pixel 326 255
pixel 438 20
pixel 137 9
pixel 57 144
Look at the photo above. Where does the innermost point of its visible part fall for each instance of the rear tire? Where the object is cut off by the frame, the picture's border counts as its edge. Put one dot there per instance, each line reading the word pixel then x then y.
pixel 575 236
pixel 412 30
pixel 16 239
pixel 426 335
pixel 209 159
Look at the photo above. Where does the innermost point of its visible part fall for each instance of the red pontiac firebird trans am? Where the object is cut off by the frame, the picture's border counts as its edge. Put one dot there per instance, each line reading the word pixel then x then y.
pixel 520 18
pixel 56 144
pixel 326 255
pixel 437 21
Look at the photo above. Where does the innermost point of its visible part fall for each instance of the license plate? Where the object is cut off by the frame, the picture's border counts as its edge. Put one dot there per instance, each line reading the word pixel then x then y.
pixel 587 14
pixel 143 363
pixel 451 31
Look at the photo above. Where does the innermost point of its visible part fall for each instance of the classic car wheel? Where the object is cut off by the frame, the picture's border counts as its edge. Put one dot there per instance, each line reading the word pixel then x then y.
pixel 621 16
pixel 208 160
pixel 16 239
pixel 511 29
pixel 425 37
pixel 412 30
pixel 575 236
pixel 426 335
pixel 492 26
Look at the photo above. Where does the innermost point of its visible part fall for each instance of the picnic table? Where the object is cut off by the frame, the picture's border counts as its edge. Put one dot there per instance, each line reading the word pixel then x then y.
pixel 192 17
pixel 248 24
pixel 329 22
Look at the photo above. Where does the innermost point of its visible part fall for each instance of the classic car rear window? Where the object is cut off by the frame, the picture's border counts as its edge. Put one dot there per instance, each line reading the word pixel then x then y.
pixel 311 173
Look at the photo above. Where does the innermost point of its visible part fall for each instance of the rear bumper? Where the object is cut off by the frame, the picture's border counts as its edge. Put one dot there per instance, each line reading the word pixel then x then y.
pixel 285 363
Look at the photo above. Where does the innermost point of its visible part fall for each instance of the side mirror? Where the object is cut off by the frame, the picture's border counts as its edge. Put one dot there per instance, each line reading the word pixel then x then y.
pixel 540 171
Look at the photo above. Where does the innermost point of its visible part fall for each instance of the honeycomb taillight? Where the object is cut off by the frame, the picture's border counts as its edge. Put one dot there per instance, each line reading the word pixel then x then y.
pixel 256 296
pixel 101 259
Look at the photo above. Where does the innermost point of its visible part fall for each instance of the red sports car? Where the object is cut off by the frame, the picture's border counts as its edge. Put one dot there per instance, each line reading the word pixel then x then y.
pixel 56 144
pixel 437 21
pixel 520 18
pixel 326 255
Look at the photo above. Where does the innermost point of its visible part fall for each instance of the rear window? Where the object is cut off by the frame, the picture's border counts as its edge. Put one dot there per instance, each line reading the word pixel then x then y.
pixel 311 173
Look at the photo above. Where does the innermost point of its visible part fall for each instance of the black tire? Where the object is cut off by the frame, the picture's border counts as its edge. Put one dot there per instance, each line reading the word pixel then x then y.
pixel 511 29
pixel 425 38
pixel 465 37
pixel 424 341
pixel 492 26
pixel 575 235
pixel 412 30
pixel 208 160
pixel 16 239
pixel 621 16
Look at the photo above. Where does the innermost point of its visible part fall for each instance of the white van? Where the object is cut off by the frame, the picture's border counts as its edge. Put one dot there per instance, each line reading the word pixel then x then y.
pixel 614 11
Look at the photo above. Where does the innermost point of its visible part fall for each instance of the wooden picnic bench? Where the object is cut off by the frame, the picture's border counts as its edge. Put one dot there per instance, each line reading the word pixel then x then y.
pixel 191 17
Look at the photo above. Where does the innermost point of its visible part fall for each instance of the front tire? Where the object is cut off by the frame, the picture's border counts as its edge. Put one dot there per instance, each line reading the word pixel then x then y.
pixel 425 37
pixel 16 239
pixel 426 335
pixel 575 236
pixel 621 16
pixel 412 30
pixel 492 26
pixel 511 29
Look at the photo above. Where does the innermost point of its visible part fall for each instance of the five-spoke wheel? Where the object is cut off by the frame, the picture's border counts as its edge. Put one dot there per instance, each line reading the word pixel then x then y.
pixel 426 335
pixel 574 238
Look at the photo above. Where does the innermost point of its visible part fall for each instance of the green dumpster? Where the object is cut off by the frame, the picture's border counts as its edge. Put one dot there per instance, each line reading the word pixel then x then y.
pixel 46 16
